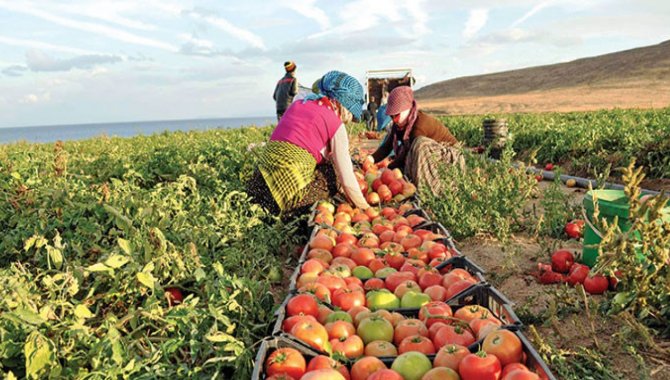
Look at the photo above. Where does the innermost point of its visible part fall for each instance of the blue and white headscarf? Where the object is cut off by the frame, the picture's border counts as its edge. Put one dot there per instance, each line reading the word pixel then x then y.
pixel 342 87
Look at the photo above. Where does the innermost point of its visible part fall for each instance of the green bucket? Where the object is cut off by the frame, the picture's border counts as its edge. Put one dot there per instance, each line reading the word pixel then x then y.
pixel 611 204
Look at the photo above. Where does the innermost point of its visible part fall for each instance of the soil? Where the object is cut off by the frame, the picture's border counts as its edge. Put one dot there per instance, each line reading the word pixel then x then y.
pixel 582 98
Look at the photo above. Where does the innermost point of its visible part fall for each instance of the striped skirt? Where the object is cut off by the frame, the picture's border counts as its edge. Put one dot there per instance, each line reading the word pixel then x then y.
pixel 425 159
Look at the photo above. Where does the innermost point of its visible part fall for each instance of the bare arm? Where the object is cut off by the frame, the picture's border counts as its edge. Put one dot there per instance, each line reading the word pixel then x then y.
pixel 339 146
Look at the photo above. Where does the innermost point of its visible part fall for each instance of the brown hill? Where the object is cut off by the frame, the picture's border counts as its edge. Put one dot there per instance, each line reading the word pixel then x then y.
pixel 636 78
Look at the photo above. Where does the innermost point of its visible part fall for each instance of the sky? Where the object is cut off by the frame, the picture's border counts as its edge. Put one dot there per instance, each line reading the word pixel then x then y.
pixel 69 62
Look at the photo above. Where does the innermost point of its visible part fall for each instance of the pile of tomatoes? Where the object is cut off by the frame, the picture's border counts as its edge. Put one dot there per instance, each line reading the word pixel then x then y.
pixel 380 294
pixel 500 357
pixel 564 269
pixel 383 185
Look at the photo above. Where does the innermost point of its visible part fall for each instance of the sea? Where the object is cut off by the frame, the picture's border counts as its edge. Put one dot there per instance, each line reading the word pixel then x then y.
pixel 64 132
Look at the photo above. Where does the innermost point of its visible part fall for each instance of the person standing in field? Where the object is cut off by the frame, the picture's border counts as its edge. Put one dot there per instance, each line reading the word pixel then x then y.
pixel 286 89
pixel 308 153
pixel 420 142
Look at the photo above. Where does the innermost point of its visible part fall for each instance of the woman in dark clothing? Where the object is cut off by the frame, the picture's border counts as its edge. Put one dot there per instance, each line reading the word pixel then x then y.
pixel 418 140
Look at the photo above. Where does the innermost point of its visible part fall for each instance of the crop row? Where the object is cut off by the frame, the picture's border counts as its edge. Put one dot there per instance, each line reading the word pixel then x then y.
pixel 587 141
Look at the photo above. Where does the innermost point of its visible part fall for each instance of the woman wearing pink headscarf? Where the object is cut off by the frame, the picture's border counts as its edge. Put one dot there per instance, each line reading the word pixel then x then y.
pixel 420 142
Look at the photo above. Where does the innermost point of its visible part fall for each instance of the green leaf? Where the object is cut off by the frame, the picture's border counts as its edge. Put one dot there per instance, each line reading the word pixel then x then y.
pixel 125 246
pixel 16 175
pixel 28 316
pixel 146 279
pixel 55 256
pixel 199 274
pixel 39 353
pixel 30 242
pixel 116 261
pixel 99 267
pixel 219 337
pixel 82 312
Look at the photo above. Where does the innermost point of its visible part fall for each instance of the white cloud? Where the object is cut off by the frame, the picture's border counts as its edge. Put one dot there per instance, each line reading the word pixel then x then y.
pixel 40 61
pixel 532 12
pixel 235 31
pixel 21 42
pixel 106 31
pixel 35 98
pixel 309 9
pixel 476 21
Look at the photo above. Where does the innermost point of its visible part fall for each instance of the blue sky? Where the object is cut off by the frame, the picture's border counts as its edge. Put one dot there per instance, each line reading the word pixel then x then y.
pixel 67 62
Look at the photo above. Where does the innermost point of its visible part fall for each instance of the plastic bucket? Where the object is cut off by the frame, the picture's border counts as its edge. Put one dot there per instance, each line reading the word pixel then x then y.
pixel 611 204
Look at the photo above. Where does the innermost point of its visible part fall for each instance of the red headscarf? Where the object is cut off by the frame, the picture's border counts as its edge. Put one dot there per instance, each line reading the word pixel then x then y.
pixel 402 99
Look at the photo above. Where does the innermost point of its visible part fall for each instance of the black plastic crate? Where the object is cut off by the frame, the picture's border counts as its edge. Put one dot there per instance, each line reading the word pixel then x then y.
pixel 269 345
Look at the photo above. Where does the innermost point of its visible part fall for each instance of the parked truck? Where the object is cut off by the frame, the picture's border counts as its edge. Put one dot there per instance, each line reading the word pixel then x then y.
pixel 382 81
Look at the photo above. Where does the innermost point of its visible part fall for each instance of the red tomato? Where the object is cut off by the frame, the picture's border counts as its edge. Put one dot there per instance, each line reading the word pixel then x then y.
pixel 302 304
pixel 394 279
pixel 285 360
pixel 458 287
pixel 325 362
pixel 436 292
pixel 574 229
pixel 323 374
pixel 343 250
pixel 429 279
pixel 291 321
pixel 513 367
pixel 434 312
pixel 480 366
pixel 470 312
pixel 345 299
pixel 409 327
pixel 281 376
pixel 394 259
pixel 346 238
pixel 351 347
pixel 453 335
pixel 174 296
pixel 365 367
pixel 363 256
pixel 450 356
pixel 380 348
pixel 596 284
pixel 312 333
pixel 561 261
pixel 374 284
pixel 520 374
pixel 318 290
pixel 549 167
pixel 578 274
pixel 385 374
pixel 340 329
pixel 505 345
pixel 416 343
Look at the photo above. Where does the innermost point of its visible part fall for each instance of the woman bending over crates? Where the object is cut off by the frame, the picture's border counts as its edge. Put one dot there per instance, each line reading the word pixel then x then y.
pixel 419 141
pixel 294 167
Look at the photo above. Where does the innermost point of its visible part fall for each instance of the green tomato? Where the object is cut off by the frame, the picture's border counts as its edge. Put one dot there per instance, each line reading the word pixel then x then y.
pixel 414 300
pixel 384 272
pixel 382 299
pixel 362 272
pixel 375 328
pixel 412 365
pixel 339 316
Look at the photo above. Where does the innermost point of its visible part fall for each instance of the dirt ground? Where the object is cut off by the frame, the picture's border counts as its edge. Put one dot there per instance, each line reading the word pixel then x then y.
pixel 585 98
